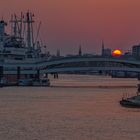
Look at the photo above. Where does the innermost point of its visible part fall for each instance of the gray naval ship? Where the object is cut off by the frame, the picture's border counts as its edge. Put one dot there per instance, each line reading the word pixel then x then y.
pixel 20 50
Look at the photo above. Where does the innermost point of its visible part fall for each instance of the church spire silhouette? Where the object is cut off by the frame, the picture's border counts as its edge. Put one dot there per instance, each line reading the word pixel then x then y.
pixel 103 47
pixel 80 50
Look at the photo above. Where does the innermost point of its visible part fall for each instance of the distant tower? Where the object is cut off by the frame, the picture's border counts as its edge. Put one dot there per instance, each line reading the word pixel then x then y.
pixel 80 51
pixel 103 48
pixel 106 52
pixel 58 53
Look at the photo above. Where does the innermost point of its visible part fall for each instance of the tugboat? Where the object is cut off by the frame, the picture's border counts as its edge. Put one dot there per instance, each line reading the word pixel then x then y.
pixel 132 102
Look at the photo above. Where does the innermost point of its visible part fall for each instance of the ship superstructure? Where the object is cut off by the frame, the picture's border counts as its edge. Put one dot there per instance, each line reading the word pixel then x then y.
pixel 21 43
pixel 20 50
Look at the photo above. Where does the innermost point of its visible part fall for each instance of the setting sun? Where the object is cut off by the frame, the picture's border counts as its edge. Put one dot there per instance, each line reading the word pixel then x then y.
pixel 117 53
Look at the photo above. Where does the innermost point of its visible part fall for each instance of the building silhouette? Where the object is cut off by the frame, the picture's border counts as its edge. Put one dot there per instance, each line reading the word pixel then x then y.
pixel 105 51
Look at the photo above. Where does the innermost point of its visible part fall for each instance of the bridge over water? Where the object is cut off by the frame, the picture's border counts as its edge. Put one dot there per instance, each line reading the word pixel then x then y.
pixel 72 64
pixel 89 64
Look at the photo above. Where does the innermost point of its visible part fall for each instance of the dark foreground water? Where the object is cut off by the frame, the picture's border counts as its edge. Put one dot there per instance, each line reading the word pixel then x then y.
pixel 74 108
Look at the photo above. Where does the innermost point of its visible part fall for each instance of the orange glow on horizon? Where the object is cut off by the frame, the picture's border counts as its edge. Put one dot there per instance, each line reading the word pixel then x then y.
pixel 66 23
pixel 117 52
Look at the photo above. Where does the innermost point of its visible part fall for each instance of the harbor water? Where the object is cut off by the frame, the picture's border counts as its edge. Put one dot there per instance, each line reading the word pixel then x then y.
pixel 75 107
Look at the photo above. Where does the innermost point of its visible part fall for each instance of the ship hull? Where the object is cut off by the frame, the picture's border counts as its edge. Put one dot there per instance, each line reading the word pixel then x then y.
pixel 129 104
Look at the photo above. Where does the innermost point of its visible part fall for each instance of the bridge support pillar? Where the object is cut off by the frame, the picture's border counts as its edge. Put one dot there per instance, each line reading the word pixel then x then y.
pixel 38 74
pixel 18 73
pixel 139 76
pixel 1 72
pixel 1 75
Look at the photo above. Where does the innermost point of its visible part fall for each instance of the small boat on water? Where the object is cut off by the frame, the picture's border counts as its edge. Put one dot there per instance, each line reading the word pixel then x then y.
pixel 132 102
pixel 34 82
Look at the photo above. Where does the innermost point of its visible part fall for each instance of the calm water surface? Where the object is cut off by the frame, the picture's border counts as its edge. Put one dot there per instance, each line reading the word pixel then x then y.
pixel 74 108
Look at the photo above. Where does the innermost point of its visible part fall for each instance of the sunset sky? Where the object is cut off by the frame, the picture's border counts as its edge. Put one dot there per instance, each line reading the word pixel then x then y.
pixel 68 23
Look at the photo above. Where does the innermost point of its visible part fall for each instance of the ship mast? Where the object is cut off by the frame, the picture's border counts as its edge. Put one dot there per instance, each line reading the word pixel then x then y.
pixel 20 26
pixel 13 25
pixel 2 31
pixel 29 21
pixel 16 26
